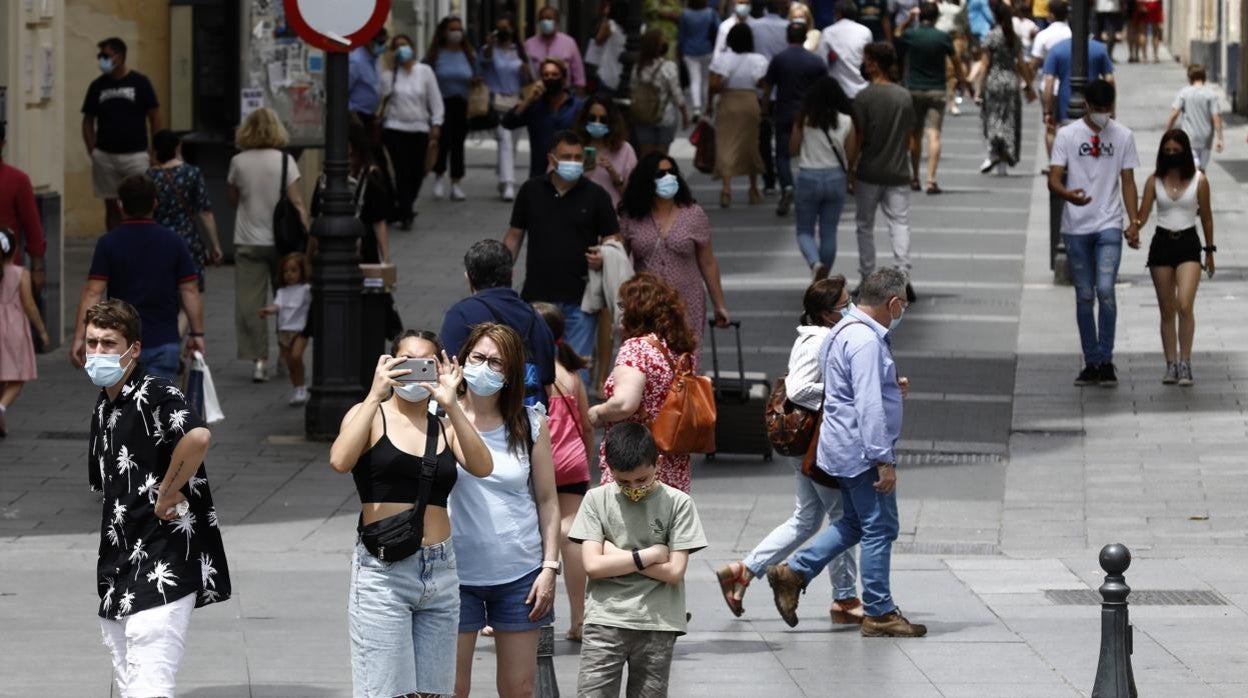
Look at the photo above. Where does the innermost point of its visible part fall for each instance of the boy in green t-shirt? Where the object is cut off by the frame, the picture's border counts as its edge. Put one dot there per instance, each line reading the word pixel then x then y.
pixel 636 535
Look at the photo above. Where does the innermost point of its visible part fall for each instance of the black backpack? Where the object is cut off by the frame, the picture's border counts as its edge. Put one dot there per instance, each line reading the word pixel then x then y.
pixel 534 391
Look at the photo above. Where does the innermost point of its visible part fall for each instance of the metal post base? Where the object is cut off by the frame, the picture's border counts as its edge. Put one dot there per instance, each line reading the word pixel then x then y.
pixel 546 686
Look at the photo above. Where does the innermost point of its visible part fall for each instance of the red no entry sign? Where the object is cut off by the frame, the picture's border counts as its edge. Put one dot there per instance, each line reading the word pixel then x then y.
pixel 336 25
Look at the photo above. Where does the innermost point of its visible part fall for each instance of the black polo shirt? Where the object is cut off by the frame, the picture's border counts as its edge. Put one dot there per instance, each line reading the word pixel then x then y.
pixel 560 229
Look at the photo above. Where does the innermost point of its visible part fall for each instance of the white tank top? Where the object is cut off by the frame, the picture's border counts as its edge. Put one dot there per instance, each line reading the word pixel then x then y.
pixel 1177 214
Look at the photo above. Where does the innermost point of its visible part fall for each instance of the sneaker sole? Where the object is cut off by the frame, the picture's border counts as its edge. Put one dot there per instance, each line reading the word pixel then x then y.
pixel 1084 384
pixel 1186 384
pixel 885 633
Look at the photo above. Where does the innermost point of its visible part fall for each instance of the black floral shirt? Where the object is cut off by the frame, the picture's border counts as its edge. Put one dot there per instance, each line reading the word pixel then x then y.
pixel 145 562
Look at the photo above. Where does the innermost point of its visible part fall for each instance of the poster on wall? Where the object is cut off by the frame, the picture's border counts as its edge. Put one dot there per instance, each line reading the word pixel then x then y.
pixel 279 71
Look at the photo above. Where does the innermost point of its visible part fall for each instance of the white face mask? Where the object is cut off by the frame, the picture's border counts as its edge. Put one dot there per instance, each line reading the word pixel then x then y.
pixel 412 392
pixel 1100 119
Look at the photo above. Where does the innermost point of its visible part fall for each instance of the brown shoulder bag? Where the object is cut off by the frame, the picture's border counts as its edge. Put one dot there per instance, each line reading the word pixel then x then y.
pixel 686 421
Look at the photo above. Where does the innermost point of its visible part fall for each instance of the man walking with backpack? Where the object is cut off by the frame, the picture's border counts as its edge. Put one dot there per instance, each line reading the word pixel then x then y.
pixel 488 268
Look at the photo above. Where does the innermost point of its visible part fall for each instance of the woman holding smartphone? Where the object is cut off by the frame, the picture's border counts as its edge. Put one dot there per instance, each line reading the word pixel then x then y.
pixel 402 633
pixel 506 525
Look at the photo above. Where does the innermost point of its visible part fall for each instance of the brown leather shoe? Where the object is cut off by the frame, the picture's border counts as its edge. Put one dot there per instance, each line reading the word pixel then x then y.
pixel 846 612
pixel 787 586
pixel 891 625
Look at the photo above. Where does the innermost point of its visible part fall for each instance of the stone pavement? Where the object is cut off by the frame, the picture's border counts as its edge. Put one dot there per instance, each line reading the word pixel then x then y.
pixel 1003 510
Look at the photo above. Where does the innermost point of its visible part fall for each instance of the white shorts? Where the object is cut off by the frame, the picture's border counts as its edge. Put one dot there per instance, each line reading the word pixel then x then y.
pixel 147 648
pixel 1202 156
pixel 108 169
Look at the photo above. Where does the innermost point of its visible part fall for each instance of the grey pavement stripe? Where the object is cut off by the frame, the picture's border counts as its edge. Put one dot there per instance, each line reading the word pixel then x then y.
pixel 742 282
pixel 959 397
pixel 958 549
pixel 911 317
pixel 973 256
pixel 1139 597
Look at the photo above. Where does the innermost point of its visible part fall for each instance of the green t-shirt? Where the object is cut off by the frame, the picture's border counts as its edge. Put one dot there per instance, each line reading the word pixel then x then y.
pixel 926 50
pixel 634 601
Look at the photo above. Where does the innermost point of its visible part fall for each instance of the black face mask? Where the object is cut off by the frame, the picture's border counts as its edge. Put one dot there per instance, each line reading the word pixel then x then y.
pixel 503 35
pixel 1171 161
pixel 553 86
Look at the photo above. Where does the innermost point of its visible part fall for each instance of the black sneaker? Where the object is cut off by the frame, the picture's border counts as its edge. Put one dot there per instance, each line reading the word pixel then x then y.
pixel 1090 375
pixel 786 202
pixel 1109 377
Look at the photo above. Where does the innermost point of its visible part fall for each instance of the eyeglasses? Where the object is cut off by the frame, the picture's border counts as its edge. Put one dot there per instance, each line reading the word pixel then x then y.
pixel 594 119
pixel 101 55
pixel 660 174
pixel 495 363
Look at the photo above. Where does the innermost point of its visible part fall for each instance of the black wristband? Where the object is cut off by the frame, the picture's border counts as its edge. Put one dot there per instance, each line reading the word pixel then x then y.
pixel 637 560
pixel 195 334
pixel 1211 248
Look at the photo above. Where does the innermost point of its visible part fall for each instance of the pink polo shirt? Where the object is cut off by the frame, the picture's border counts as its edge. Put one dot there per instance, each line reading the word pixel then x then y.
pixel 559 46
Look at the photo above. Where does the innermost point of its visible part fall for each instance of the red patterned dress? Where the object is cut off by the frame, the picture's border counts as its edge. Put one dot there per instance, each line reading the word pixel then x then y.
pixel 674 469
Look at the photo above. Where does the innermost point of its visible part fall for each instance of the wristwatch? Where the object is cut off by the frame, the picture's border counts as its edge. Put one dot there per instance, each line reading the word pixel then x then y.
pixel 555 565
pixel 1211 248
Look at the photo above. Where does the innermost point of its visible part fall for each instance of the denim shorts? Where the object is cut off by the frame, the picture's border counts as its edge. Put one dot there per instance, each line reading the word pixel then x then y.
pixel 500 606
pixel 404 618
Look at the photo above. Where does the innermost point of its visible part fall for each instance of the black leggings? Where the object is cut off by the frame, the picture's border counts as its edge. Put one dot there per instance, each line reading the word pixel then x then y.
pixel 407 156
pixel 454 133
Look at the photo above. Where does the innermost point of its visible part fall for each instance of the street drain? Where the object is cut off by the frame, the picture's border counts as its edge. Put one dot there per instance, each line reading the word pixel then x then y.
pixel 63 435
pixel 936 458
pixel 946 549
pixel 1145 597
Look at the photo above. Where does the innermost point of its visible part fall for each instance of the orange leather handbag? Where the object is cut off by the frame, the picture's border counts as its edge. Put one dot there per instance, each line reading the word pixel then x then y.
pixel 686 421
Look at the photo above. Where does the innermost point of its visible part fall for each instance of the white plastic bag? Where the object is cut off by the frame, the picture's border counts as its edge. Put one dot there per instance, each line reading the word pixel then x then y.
pixel 200 391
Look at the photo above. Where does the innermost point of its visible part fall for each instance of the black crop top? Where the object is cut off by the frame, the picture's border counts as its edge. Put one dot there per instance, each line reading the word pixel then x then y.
pixel 386 474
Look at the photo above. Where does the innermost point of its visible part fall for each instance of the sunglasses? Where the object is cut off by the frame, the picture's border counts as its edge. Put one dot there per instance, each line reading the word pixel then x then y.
pixel 660 174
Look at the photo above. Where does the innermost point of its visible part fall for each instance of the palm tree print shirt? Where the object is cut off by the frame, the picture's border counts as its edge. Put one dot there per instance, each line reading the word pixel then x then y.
pixel 145 562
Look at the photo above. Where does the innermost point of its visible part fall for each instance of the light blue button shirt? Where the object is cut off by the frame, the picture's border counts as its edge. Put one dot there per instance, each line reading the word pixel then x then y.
pixel 861 397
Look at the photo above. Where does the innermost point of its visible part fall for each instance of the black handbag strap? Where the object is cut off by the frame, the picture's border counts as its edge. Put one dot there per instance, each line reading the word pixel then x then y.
pixel 428 466
pixel 281 186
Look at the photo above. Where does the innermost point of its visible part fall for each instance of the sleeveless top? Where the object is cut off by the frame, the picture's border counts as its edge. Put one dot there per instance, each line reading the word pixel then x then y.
pixel 386 474
pixel 1176 214
pixel 571 460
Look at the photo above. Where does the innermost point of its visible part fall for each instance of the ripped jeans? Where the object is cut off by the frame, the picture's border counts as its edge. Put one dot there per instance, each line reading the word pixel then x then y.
pixel 1093 261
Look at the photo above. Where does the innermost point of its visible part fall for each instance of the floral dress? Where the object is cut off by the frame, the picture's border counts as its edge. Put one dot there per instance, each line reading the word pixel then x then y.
pixel 1002 112
pixel 673 257
pixel 674 468
pixel 181 195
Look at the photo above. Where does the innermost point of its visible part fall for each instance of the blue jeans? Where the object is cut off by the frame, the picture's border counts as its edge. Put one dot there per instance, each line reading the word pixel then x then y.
pixel 163 360
pixel 1093 263
pixel 813 501
pixel 784 168
pixel 580 331
pixel 870 518
pixel 819 199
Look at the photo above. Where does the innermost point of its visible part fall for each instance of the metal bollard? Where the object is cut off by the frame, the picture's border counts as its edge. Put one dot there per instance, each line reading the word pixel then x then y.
pixel 1114 678
pixel 547 686
pixel 1057 248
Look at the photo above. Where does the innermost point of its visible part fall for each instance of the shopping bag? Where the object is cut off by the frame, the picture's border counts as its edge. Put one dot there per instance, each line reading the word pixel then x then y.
pixel 201 393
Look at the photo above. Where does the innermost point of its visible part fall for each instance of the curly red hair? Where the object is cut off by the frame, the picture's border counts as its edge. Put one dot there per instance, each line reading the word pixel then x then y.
pixel 651 305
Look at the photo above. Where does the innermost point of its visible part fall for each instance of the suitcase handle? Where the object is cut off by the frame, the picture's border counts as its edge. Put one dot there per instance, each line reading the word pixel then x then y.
pixel 736 325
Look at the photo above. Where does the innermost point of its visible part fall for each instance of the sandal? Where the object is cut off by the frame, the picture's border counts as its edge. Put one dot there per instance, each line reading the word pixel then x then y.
pixel 729 584
pixel 849 612
pixel 725 199
pixel 933 187
pixel 574 633
pixel 756 197
pixel 915 185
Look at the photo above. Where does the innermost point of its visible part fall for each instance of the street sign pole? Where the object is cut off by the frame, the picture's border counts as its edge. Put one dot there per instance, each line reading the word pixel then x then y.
pixel 337 307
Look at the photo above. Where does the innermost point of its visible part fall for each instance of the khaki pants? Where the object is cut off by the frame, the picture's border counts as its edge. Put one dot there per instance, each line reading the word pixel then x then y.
pixel 606 651
pixel 254 266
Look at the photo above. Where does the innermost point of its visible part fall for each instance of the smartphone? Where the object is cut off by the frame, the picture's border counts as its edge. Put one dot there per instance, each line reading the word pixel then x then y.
pixel 422 371
pixel 591 157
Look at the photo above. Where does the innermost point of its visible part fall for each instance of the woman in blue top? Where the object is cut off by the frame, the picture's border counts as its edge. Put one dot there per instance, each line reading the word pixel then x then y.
pixel 695 41
pixel 506 526
pixel 507 71
pixel 455 66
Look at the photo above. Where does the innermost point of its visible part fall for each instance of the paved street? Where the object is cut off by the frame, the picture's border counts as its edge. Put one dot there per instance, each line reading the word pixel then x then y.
pixel 1011 479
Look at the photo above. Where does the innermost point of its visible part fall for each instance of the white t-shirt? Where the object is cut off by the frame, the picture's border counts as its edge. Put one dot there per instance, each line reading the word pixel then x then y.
pixel 1095 166
pixel 494 522
pixel 846 39
pixel 415 102
pixel 1049 37
pixel 607 56
pixel 1025 29
pixel 741 71
pixel 292 304
pixel 256 174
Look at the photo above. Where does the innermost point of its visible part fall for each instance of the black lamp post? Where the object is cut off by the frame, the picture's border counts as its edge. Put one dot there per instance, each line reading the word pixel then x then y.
pixel 1078 58
pixel 337 306
pixel 632 48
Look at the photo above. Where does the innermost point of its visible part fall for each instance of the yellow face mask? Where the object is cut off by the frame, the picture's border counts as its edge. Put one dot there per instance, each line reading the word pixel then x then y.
pixel 636 494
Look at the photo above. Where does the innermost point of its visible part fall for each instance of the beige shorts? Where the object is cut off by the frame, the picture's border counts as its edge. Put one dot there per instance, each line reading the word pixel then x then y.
pixel 286 338
pixel 929 107
pixel 108 169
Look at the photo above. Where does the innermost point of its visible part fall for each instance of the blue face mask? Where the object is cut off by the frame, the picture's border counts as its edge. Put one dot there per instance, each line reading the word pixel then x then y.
pixel 403 53
pixel 547 26
pixel 666 186
pixel 105 370
pixel 569 171
pixel 412 392
pixel 106 65
pixel 743 9
pixel 895 322
pixel 379 49
pixel 483 380
pixel 597 130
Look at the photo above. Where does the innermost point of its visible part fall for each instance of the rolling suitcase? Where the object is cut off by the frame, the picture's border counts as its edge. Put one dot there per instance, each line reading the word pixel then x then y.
pixel 741 399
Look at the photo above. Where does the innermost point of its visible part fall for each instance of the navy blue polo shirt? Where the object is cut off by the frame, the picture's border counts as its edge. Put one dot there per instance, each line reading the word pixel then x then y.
pixel 502 305
pixel 143 263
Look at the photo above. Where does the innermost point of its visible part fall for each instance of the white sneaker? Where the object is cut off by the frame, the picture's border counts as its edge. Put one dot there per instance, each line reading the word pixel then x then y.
pixel 260 371
pixel 439 188
pixel 299 396
pixel 509 192
pixel 457 194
